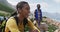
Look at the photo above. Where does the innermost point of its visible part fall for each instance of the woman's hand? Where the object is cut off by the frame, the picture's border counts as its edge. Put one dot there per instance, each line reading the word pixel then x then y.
pixel 34 30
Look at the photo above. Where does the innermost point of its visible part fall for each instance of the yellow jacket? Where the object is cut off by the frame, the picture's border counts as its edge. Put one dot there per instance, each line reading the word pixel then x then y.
pixel 13 27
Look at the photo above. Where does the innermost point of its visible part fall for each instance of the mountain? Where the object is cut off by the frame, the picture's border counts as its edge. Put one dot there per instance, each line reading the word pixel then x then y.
pixel 5 2
pixel 55 16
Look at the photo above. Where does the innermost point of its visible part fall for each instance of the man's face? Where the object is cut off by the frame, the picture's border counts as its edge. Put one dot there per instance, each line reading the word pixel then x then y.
pixel 25 11
pixel 38 6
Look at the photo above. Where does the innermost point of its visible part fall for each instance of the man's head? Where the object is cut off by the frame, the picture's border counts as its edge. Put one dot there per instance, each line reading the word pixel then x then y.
pixel 23 8
pixel 38 6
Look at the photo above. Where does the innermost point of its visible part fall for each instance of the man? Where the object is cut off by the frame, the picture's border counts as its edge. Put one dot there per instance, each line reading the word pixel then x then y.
pixel 23 10
pixel 38 15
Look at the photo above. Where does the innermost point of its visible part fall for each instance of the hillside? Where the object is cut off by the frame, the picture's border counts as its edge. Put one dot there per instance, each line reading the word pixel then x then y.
pixel 5 7
pixel 52 15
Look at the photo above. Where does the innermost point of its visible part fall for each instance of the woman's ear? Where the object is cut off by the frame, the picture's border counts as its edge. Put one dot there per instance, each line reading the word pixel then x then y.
pixel 19 11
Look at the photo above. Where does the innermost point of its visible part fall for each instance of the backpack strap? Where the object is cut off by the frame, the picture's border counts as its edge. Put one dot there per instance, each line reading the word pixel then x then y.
pixel 25 21
pixel 16 18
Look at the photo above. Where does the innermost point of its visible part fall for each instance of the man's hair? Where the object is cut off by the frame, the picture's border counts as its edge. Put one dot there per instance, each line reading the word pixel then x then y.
pixel 38 4
pixel 21 4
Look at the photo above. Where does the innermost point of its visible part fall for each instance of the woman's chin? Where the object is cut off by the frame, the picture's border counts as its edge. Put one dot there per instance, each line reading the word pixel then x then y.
pixel 26 16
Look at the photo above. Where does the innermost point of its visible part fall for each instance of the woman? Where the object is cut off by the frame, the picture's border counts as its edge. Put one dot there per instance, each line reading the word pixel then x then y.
pixel 23 10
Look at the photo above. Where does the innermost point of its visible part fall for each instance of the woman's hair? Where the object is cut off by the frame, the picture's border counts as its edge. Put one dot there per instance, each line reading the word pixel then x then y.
pixel 14 13
pixel 21 4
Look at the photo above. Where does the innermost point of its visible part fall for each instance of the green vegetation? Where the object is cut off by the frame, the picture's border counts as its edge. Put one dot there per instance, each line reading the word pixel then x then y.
pixel 2 26
pixel 3 14
pixel 6 8
pixel 51 28
pixel 44 17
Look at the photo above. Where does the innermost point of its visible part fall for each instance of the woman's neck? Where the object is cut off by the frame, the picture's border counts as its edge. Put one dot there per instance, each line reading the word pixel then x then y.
pixel 20 18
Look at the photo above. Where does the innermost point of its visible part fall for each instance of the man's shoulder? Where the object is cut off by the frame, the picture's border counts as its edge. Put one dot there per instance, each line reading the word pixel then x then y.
pixel 35 10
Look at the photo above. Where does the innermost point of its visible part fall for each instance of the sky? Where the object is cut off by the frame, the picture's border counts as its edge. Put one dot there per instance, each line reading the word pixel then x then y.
pixel 51 6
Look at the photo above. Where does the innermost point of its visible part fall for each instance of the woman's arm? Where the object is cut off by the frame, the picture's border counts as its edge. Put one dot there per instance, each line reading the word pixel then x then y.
pixel 32 26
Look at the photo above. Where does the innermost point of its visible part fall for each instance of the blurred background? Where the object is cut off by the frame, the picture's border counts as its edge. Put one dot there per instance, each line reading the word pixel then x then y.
pixel 50 8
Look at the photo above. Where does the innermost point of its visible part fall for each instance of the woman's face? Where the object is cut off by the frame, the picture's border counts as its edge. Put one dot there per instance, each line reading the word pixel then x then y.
pixel 25 10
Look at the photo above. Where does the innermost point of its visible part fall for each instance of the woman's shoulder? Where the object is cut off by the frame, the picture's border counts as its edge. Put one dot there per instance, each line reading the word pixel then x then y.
pixel 11 20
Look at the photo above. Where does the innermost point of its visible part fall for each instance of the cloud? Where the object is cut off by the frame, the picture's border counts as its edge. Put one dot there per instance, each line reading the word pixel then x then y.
pixel 32 7
pixel 44 5
pixel 14 2
pixel 57 1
